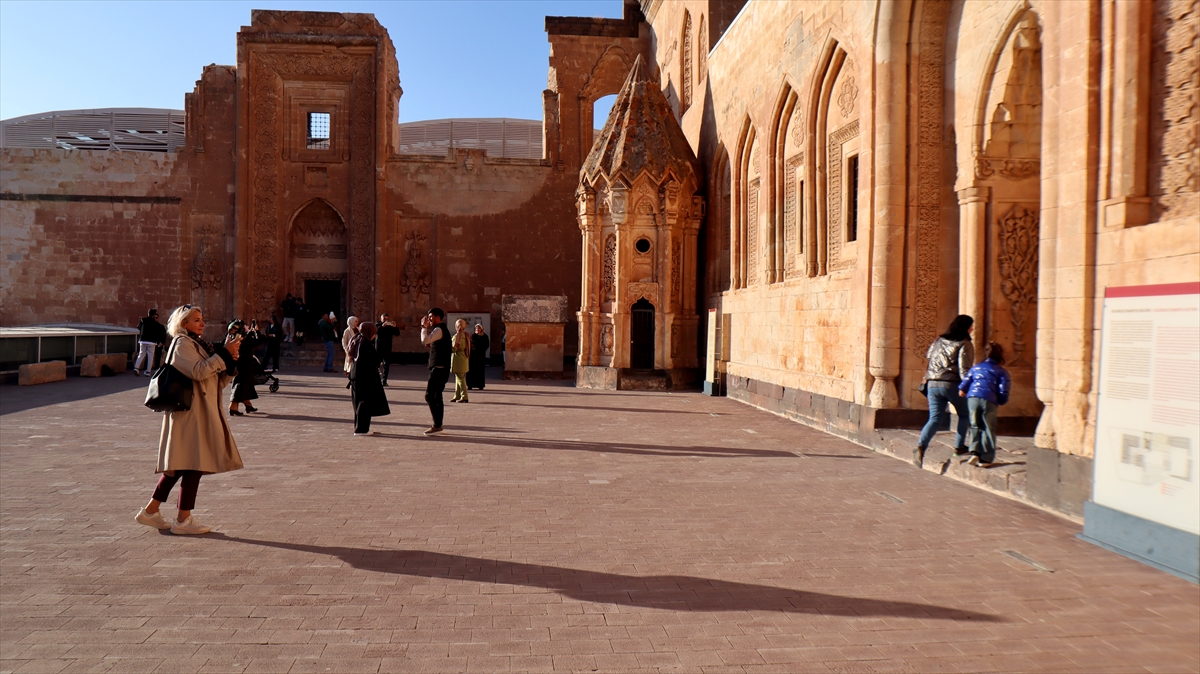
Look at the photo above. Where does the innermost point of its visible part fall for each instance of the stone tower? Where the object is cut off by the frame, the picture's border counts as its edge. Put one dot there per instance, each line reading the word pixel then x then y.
pixel 640 211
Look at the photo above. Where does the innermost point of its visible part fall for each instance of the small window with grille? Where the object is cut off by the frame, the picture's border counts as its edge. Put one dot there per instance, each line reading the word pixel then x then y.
pixel 318 131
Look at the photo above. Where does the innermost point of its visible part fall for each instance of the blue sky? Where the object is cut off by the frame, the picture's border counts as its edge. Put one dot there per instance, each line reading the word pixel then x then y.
pixel 457 58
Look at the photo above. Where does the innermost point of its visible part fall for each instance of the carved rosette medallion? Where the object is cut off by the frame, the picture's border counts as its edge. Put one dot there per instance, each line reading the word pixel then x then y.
pixel 1018 261
pixel 797 125
pixel 848 93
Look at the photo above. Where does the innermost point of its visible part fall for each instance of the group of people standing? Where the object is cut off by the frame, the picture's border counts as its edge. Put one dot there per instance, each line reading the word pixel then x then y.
pixel 975 391
pixel 368 348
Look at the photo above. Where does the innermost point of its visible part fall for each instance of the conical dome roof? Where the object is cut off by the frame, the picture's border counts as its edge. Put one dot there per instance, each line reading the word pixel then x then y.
pixel 641 133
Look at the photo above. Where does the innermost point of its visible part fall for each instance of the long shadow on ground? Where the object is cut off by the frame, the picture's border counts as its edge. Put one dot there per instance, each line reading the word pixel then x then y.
pixel 73 389
pixel 612 447
pixel 676 593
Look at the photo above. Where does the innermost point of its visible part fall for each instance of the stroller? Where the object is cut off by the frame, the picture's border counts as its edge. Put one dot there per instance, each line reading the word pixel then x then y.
pixel 262 375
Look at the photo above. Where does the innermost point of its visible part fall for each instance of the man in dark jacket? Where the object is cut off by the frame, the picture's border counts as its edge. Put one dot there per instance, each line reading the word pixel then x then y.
pixel 289 318
pixel 273 337
pixel 435 336
pixel 383 344
pixel 151 337
pixel 328 328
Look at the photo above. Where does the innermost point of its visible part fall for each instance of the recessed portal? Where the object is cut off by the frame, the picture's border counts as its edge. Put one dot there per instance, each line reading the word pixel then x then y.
pixel 641 333
pixel 322 297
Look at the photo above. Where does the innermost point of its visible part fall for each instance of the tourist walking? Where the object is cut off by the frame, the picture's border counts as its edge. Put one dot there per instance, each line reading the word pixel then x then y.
pixel 327 326
pixel 347 335
pixel 151 336
pixel 460 360
pixel 383 344
pixel 196 441
pixel 289 317
pixel 272 334
pixel 366 389
pixel 247 369
pixel 435 336
pixel 479 349
pixel 950 358
pixel 985 387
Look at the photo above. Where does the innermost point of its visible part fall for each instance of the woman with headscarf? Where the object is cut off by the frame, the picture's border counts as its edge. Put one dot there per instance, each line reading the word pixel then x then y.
pixel 247 369
pixel 366 389
pixel 347 335
pixel 460 360
pixel 479 348
pixel 195 441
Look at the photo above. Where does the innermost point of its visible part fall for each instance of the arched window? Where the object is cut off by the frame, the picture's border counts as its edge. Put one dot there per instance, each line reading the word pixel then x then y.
pixel 746 209
pixel 787 217
pixel 685 61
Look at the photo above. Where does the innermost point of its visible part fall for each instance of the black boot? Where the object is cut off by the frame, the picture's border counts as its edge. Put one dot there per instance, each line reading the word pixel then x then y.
pixel 918 457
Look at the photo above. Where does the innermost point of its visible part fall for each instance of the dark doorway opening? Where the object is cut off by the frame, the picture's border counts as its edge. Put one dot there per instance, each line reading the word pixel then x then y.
pixel 641 334
pixel 322 297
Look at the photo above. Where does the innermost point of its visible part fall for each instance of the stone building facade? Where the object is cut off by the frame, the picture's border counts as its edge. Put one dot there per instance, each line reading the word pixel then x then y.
pixel 875 168
pixel 869 169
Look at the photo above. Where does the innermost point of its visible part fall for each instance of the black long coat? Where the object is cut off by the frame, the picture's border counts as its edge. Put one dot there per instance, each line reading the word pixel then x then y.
pixel 366 389
pixel 247 366
pixel 479 347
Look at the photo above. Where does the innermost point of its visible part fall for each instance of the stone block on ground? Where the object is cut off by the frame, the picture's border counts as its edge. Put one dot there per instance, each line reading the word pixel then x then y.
pixel 534 309
pixel 42 373
pixel 93 366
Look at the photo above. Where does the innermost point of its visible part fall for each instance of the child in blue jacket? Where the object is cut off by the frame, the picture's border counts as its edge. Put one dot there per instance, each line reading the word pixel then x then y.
pixel 986 387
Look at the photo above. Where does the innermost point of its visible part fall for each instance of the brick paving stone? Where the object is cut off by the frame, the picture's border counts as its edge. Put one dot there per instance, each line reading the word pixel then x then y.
pixel 550 529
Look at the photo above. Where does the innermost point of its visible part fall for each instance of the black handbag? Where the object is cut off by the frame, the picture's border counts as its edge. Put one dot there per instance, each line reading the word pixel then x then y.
pixel 170 390
pixel 923 389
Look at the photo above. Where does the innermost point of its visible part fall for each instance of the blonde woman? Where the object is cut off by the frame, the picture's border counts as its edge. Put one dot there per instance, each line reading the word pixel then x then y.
pixel 460 360
pixel 347 335
pixel 197 441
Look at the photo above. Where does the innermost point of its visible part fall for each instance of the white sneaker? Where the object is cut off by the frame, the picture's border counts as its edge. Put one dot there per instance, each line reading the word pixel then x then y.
pixel 433 430
pixel 152 520
pixel 189 527
pixel 365 434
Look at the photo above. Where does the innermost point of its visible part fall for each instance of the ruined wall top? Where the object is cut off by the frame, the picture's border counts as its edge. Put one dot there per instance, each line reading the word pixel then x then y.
pixel 641 134
pixel 535 309
pixel 324 24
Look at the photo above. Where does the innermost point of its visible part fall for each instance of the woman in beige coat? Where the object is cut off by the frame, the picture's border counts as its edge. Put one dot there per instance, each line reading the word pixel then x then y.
pixel 347 335
pixel 197 441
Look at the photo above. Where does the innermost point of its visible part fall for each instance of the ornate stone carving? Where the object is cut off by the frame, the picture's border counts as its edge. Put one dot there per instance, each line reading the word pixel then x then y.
pixel 702 52
pixel 267 73
pixel 686 74
pixel 791 215
pixel 1175 99
pixel 930 110
pixel 752 235
pixel 849 91
pixel 318 250
pixel 797 125
pixel 834 194
pixel 677 269
pixel 415 280
pixel 609 272
pixel 637 291
pixel 1018 261
pixel 606 339
pixel 206 268
pixel 1012 169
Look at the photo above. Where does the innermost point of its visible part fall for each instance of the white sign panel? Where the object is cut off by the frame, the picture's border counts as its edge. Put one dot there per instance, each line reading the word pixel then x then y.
pixel 1148 421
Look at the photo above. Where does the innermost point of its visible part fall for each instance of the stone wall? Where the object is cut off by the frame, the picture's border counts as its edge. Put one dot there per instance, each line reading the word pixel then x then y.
pixel 89 236
pixel 468 228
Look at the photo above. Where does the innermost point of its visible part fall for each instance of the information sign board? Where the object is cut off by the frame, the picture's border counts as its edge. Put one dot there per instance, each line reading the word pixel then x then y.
pixel 1148 421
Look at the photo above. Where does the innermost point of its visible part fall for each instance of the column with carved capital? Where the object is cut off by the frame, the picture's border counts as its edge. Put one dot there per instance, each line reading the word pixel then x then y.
pixel 972 255
pixel 589 302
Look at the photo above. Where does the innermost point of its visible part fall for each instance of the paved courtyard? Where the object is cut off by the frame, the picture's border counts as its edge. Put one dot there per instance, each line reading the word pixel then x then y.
pixel 550 529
